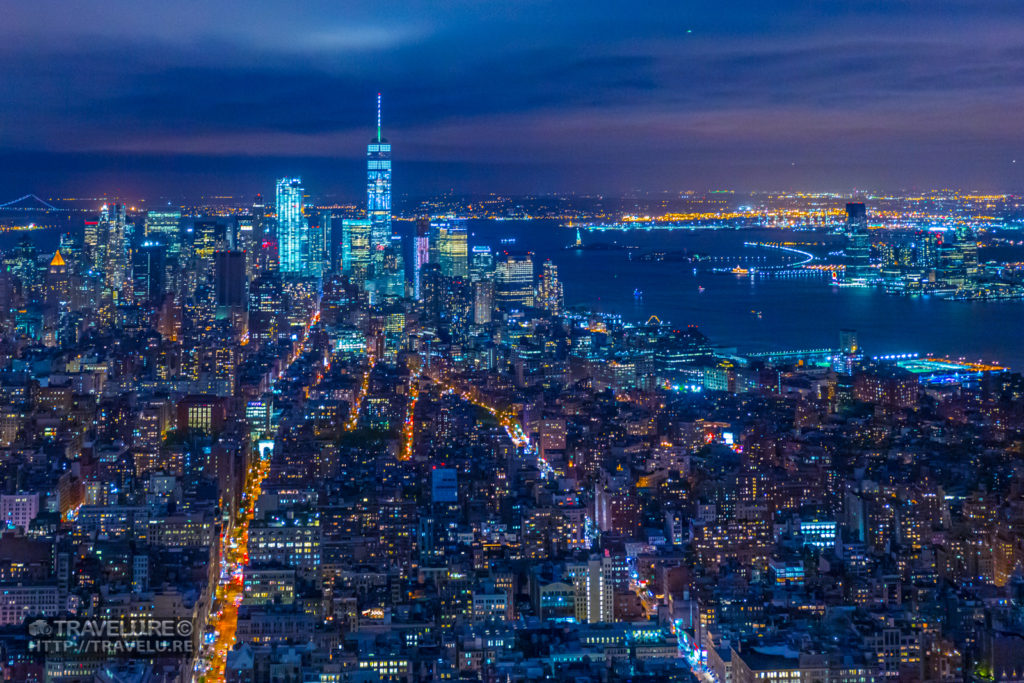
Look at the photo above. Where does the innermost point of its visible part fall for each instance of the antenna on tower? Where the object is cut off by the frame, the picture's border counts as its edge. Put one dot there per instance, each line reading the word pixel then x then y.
pixel 378 117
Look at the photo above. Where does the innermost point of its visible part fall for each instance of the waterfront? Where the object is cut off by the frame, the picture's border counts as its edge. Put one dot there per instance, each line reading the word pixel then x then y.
pixel 794 312
pixel 757 313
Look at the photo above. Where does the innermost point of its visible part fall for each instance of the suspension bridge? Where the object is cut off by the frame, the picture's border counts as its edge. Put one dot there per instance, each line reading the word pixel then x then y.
pixel 29 202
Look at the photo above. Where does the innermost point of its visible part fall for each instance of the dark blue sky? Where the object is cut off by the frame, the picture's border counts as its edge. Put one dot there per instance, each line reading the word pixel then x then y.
pixel 173 97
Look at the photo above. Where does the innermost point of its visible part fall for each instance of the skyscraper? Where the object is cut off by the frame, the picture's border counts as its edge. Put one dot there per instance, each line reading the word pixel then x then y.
pixel 483 301
pixel 378 191
pixel 57 283
pixel 481 264
pixel 116 266
pixel 325 242
pixel 513 281
pixel 229 279
pixel 420 255
pixel 967 243
pixel 355 249
pixel 149 271
pixel 164 226
pixel 448 244
pixel 858 247
pixel 293 229
pixel 550 289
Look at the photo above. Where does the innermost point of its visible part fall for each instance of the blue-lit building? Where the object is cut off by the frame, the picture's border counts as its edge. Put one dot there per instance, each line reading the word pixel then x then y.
pixel 819 533
pixel 378 191
pixel 293 234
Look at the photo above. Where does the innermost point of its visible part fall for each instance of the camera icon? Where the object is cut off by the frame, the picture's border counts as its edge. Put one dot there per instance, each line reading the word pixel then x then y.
pixel 40 627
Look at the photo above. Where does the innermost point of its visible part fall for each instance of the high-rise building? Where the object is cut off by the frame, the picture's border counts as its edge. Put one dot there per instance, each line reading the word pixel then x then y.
pixel 594 588
pixel 448 243
pixel 149 271
pixel 355 249
pixel 324 241
pixel 378 191
pixel 420 255
pixel 926 253
pixel 164 226
pixel 483 301
pixel 513 281
pixel 967 243
pixel 266 309
pixel 229 279
pixel 858 247
pixel 116 260
pixel 550 289
pixel 481 264
pixel 58 284
pixel 293 234
pixel 391 272
pixel 247 240
pixel 91 240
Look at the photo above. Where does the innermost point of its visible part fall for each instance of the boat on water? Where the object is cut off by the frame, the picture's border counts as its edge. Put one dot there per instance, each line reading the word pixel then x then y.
pixel 739 270
pixel 757 314
pixel 638 294
pixel 700 290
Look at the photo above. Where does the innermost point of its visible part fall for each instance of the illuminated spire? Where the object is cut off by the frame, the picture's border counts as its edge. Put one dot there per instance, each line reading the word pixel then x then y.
pixel 378 117
pixel 58 260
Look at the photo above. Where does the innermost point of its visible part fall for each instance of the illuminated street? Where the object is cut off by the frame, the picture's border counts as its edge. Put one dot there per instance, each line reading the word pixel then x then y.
pixel 400 342
pixel 224 620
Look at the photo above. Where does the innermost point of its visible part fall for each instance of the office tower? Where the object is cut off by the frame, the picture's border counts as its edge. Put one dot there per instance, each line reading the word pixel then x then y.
pixel 355 249
pixel 260 231
pixel 325 241
pixel 481 264
pixel 91 240
pixel 420 255
pixel 926 250
pixel 58 284
pixel 247 241
pixel 116 254
pixel 378 191
pixel 513 281
pixel 483 301
pixel 149 271
pixel 391 273
pixel 448 246
pixel 432 293
pixel 967 244
pixel 292 229
pixel 164 226
pixel 550 289
pixel 266 309
pixel 951 270
pixel 229 279
pixel 858 247
pixel 24 265
pixel 207 237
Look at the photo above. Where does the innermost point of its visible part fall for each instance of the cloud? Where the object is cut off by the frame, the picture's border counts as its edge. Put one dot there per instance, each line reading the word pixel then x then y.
pixel 541 83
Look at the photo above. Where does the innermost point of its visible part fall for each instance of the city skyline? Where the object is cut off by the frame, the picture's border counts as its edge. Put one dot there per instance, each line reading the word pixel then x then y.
pixel 269 412
pixel 748 96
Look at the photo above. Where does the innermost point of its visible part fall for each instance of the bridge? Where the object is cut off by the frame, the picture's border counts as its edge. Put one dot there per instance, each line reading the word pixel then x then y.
pixel 29 202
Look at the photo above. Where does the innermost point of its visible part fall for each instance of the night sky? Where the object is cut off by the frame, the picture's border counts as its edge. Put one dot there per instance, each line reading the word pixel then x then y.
pixel 177 97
